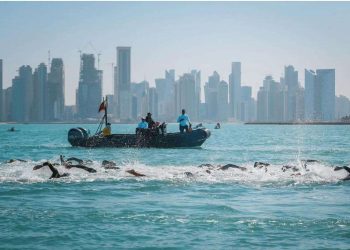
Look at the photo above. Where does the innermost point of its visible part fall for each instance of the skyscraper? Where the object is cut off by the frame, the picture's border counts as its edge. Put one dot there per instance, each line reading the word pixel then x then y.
pixel 123 82
pixel 326 82
pixel 310 95
pixel 223 110
pixel 320 95
pixel 2 104
pixel 247 104
pixel 185 91
pixel 40 92
pixel 54 107
pixel 211 94
pixel 89 95
pixel 197 79
pixel 22 95
pixel 139 93
pixel 342 107
pixel 235 90
pixel 153 102
pixel 291 81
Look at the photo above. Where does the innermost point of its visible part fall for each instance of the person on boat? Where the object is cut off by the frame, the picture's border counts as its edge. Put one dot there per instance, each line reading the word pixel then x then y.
pixel 150 121
pixel 184 121
pixel 143 124
pixel 107 130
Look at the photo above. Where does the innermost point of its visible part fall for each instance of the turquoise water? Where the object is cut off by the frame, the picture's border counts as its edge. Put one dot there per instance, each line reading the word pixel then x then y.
pixel 111 209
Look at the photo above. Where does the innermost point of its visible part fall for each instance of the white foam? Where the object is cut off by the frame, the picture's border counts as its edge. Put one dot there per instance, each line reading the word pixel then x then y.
pixel 23 172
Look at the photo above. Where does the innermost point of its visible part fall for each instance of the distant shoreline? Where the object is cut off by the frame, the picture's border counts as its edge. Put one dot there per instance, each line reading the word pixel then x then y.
pixel 297 123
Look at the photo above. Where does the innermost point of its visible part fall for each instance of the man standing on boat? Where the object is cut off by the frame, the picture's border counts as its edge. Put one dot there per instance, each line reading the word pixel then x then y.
pixel 184 121
pixel 149 120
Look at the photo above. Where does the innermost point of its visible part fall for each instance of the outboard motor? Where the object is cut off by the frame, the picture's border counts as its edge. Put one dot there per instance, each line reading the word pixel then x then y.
pixel 163 128
pixel 77 136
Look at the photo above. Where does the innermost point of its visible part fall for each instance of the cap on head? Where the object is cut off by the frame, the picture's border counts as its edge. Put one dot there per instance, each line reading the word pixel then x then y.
pixel 149 114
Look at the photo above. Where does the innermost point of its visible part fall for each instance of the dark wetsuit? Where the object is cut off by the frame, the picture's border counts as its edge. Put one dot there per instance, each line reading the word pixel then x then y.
pixel 90 170
pixel 347 178
pixel 227 166
pixel 134 173
pixel 55 173
pixel 150 121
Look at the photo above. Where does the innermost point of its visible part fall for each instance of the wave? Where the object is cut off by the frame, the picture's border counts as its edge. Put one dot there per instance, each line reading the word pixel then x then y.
pixel 292 173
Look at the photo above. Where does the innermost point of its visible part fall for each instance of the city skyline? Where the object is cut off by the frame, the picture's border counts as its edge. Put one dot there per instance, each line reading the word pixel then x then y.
pixel 208 37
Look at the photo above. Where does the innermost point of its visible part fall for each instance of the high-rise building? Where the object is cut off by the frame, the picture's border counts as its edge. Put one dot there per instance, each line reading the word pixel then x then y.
pixel 139 92
pixel 165 93
pixel 211 94
pixel 247 104
pixel 262 105
pixel 235 90
pixel 40 92
pixel 342 107
pixel 223 107
pixel 89 94
pixel 291 81
pixel 310 95
pixel 197 79
pixel 153 102
pixel 7 94
pixel 22 95
pixel 271 101
pixel 123 82
pixel 319 95
pixel 185 91
pixel 2 104
pixel 55 91
pixel 326 82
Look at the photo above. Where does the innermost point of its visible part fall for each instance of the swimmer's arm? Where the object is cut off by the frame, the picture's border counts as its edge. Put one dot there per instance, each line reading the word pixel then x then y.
pixel 90 170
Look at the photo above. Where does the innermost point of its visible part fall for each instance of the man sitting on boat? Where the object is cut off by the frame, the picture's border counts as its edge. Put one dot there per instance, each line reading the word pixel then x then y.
pixel 184 121
pixel 107 130
pixel 150 121
pixel 143 124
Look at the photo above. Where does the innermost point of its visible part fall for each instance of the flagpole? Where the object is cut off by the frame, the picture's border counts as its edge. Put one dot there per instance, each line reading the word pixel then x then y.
pixel 106 104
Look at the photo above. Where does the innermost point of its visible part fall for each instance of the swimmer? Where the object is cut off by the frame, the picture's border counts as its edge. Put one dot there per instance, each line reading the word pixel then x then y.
pixel 134 173
pixel 347 178
pixel 109 165
pixel 227 166
pixel 68 165
pixel 259 164
pixel 79 161
pixel 14 160
pixel 55 173
pixel 189 174
pixel 287 167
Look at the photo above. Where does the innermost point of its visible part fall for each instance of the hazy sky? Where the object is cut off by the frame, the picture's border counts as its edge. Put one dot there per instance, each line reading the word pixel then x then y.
pixel 163 35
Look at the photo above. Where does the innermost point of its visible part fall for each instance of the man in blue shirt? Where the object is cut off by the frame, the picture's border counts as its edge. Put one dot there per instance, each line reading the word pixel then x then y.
pixel 143 124
pixel 184 121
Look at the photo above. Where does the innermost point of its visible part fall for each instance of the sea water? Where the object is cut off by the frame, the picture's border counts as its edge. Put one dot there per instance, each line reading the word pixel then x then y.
pixel 169 208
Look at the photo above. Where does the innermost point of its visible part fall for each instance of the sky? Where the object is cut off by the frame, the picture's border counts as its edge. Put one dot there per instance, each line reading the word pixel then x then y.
pixel 207 36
